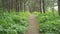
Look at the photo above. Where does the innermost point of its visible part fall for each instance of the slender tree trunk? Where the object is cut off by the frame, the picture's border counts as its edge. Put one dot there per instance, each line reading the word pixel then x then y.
pixel 59 6
pixel 40 7
pixel 8 5
pixel 53 7
pixel 2 5
pixel 17 5
pixel 11 5
pixel 21 5
pixel 43 6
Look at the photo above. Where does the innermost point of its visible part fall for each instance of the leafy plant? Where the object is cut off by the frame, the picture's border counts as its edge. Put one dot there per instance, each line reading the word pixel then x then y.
pixel 49 23
pixel 13 23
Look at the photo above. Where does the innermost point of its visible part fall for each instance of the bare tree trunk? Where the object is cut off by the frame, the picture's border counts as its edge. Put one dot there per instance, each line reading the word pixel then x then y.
pixel 21 5
pixel 43 6
pixel 3 5
pixel 40 7
pixel 9 5
pixel 17 5
pixel 53 7
pixel 59 6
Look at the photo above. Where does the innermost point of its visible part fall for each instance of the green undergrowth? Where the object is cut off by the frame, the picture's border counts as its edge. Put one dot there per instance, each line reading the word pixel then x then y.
pixel 13 23
pixel 17 22
pixel 49 23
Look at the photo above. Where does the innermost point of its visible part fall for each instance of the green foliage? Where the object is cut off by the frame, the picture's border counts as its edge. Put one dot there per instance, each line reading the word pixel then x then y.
pixel 16 23
pixel 49 23
pixel 13 23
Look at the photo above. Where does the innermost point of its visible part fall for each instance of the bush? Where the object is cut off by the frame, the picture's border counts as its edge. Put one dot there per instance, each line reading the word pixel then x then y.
pixel 49 23
pixel 13 23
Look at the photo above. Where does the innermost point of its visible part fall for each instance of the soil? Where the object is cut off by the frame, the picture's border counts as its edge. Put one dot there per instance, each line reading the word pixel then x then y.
pixel 33 27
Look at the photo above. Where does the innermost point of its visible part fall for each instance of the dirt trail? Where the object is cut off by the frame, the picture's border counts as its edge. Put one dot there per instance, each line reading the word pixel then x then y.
pixel 33 27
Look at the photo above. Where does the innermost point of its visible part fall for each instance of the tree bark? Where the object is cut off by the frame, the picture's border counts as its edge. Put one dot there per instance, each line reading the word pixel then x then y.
pixel 43 6
pixel 59 6
pixel 40 7
pixel 3 5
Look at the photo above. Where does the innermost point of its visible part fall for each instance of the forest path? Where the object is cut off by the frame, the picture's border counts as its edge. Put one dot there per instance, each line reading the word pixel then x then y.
pixel 33 27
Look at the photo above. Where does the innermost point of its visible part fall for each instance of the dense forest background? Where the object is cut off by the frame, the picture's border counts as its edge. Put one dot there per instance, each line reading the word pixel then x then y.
pixel 29 5
pixel 14 16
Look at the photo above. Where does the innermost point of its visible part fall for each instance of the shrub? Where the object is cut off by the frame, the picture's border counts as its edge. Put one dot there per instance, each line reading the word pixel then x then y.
pixel 49 23
pixel 13 23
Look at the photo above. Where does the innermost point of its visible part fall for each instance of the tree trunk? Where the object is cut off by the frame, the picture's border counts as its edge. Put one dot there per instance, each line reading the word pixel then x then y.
pixel 40 7
pixel 3 5
pixel 8 5
pixel 17 5
pixel 59 6
pixel 43 6
pixel 21 5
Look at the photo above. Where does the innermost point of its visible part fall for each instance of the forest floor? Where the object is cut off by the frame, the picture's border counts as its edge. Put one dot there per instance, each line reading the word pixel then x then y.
pixel 33 27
